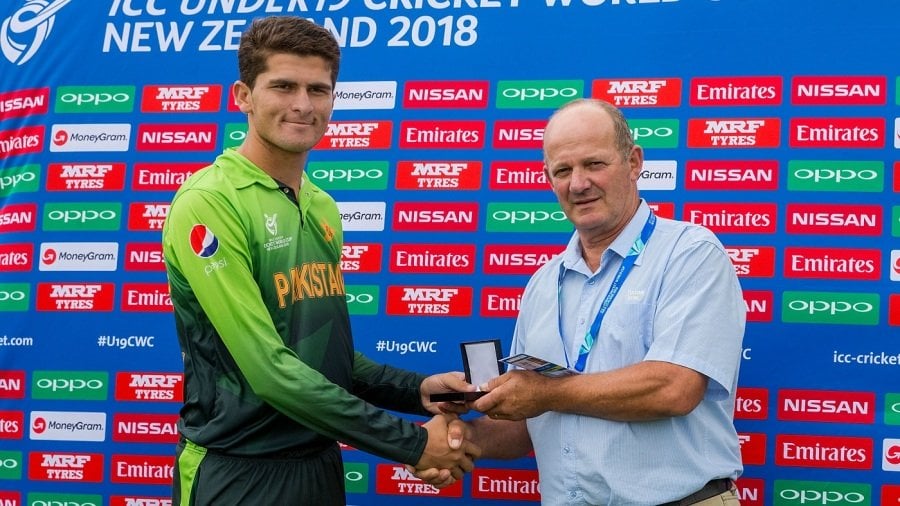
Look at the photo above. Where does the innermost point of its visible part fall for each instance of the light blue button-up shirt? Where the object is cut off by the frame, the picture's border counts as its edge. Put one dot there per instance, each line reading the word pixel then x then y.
pixel 681 303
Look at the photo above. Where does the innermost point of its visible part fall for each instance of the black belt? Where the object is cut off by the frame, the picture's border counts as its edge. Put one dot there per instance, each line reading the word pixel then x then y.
pixel 711 489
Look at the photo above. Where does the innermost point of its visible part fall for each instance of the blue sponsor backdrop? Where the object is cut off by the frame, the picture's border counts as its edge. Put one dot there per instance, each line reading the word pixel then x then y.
pixel 53 44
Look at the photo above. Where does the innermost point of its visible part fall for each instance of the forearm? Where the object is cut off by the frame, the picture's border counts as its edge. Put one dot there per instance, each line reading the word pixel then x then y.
pixel 386 386
pixel 500 439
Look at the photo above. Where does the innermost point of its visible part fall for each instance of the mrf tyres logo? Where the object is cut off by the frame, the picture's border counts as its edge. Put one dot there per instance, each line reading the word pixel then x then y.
pixel 395 479
pixel 654 92
pixel 86 176
pixel 438 175
pixel 136 386
pixel 75 296
pixel 830 307
pixel 734 133
pixel 23 33
pixel 429 300
pixel 65 466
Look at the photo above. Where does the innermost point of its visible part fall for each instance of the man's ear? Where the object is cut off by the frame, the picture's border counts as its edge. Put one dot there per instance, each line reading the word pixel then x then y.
pixel 240 93
pixel 636 161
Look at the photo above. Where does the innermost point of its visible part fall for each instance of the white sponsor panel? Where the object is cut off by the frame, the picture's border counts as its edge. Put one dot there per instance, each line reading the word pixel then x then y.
pixel 658 175
pixel 67 426
pixel 79 256
pixel 75 137
pixel 362 216
pixel 363 95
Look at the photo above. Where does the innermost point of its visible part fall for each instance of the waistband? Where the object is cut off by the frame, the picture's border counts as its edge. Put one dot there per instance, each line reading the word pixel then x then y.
pixel 711 489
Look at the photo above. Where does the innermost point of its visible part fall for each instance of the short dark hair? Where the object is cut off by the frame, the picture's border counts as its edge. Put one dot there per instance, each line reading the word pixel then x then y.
pixel 284 34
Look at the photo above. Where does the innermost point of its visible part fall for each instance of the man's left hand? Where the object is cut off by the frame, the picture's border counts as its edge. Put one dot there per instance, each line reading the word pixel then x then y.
pixel 515 395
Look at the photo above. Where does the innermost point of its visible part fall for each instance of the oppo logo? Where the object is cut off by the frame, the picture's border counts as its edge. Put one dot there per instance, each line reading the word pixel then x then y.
pixel 9 464
pixel 16 295
pixel 895 407
pixel 524 94
pixel 806 496
pixel 94 98
pixel 353 476
pixel 237 135
pixel 642 132
pixel 835 175
pixel 360 298
pixel 74 215
pixel 68 385
pixel 530 217
pixel 832 307
pixel 61 503
pixel 346 174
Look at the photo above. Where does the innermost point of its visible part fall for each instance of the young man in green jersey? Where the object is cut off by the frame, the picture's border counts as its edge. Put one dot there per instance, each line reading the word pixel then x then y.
pixel 253 250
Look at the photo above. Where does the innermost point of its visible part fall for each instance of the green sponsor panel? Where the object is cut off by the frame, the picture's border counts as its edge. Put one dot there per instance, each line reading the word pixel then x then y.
pixel 234 135
pixel 835 176
pixel 655 133
pixel 70 385
pixel 537 94
pixel 797 493
pixel 349 175
pixel 82 216
pixel 14 297
pixel 24 179
pixel 892 409
pixel 363 299
pixel 895 221
pixel 356 477
pixel 830 307
pixel 526 217
pixel 84 99
pixel 41 498
pixel 10 465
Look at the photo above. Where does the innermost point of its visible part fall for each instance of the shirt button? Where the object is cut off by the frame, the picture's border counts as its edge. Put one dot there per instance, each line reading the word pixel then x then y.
pixel 572 495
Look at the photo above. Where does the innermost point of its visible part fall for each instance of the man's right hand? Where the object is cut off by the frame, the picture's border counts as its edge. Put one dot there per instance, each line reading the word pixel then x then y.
pixel 439 454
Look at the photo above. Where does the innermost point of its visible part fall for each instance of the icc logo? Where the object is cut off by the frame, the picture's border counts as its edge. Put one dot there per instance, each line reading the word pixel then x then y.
pixel 22 34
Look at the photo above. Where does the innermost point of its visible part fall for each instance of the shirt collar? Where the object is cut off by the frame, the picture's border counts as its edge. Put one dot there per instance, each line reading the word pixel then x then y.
pixel 572 258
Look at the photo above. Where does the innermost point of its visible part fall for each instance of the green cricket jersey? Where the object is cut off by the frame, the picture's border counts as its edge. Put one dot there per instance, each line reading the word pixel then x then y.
pixel 262 320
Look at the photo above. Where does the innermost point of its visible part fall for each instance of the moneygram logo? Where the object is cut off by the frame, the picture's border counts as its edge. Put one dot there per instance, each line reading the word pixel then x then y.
pixel 518 134
pixel 514 484
pixel 23 33
pixel 526 217
pixel 517 258
pixel 363 299
pixel 198 98
pixel 161 176
pixel 867 133
pixel 94 99
pixel 655 92
pixel 67 426
pixel 21 141
pixel 518 175
pixel 145 256
pixel 890 460
pixel 445 95
pixel 362 216
pixel 835 176
pixel 14 297
pixel 135 386
pixel 16 257
pixel 752 262
pixel 834 219
pixel 815 493
pixel 735 91
pixel 180 137
pixel 839 90
pixel 830 307
pixel 734 133
pixel 147 216
pixel 741 175
pixel 395 479
pixel 79 256
pixel 658 175
pixel 69 385
pixel 432 258
pixel 733 218
pixel 759 305
pixel 75 296
pixel 751 404
pixel 826 406
pixel 23 103
pixel 361 257
pixel 146 297
pixel 453 134
pixel 86 176
pixel 537 94
pixel 832 263
pixel 95 137
pixel 500 302
pixel 24 179
pixel 145 428
pixel 356 135
pixel 831 452
pixel 435 216
pixel 364 95
pixel 142 469
pixel 349 175
pixel 82 216
pixel 429 300
pixel 438 175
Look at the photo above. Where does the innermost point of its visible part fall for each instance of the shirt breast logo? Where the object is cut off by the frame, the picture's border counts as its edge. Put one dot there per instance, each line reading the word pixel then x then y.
pixel 271 223
pixel 275 241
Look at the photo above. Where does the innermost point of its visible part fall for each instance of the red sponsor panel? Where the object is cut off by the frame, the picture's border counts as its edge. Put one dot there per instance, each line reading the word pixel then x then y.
pixel 663 209
pixel 519 134
pixel 429 300
pixel 645 92
pixel 446 94
pixel 149 386
pixel 500 302
pixel 744 175
pixel 142 469
pixel 752 261
pixel 12 424
pixel 890 495
pixel 395 479
pixel 830 452
pixel 751 404
pixel 10 498
pixel 510 484
pixel 21 141
pixel 796 405
pixel 18 257
pixel 518 258
pixel 832 263
pixel 147 216
pixel 356 135
pixel 837 132
pixel 432 258
pixel 134 500
pixel 144 256
pixel 730 91
pixel 75 296
pixel 897 176
pixel 65 467
pixel 361 257
pixel 734 133
pixel 177 137
pixel 838 90
pixel 753 448
pixel 438 175
pixel 447 134
pixel 518 175
pixel 759 305
pixel 162 176
pixel 86 176
pixel 146 298
pixel 834 219
pixel 18 218
pixel 751 491
pixel 735 218
pixel 894 309
pixel 27 102
pixel 181 98
pixel 12 384
pixel 435 216
pixel 144 428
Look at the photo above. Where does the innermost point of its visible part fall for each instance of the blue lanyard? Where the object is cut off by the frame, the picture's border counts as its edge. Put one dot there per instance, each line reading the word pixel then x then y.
pixel 624 270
